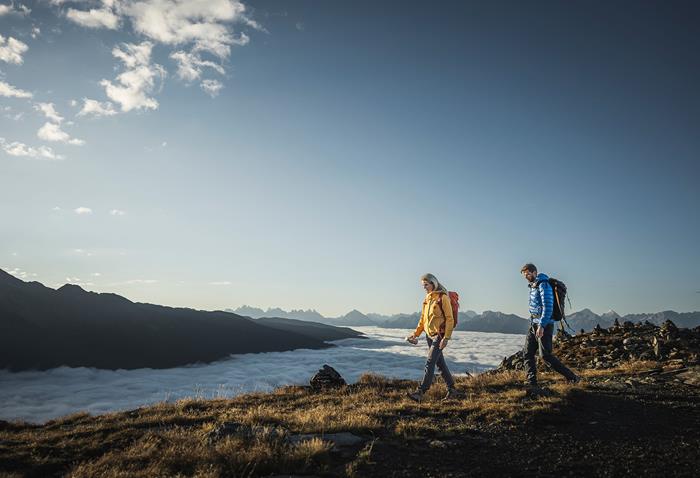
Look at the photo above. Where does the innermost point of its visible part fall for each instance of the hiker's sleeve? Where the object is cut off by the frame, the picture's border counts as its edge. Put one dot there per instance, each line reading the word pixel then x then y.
pixel 547 297
pixel 419 329
pixel 449 316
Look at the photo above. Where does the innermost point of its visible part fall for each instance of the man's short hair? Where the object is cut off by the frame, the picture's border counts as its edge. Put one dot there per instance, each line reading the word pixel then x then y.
pixel 530 267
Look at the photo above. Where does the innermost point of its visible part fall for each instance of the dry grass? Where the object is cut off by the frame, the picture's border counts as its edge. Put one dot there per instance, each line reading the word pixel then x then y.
pixel 170 439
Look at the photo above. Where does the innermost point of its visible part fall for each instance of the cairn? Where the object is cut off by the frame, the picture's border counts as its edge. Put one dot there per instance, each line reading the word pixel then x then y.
pixel 327 377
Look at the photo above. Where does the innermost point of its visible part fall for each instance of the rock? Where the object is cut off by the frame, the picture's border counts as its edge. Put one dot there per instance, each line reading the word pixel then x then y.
pixel 691 377
pixel 437 444
pixel 327 377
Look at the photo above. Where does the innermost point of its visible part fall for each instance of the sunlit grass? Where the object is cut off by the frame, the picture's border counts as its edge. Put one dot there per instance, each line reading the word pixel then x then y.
pixel 170 439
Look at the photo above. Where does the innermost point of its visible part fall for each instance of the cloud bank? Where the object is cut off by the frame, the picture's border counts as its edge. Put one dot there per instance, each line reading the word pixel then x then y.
pixel 41 396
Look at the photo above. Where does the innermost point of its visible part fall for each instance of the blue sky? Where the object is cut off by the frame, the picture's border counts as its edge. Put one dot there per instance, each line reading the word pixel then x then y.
pixel 326 154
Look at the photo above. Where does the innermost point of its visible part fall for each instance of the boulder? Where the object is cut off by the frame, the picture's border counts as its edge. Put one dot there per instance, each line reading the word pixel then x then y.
pixel 327 377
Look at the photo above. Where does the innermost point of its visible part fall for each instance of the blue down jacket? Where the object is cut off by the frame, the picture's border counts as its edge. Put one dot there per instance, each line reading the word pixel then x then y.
pixel 541 301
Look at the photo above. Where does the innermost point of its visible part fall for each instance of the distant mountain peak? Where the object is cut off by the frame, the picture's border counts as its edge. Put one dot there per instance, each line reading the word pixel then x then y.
pixel 71 288
pixel 355 313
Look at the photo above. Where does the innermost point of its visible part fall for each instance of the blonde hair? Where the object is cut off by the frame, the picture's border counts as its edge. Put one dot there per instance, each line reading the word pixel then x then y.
pixel 437 287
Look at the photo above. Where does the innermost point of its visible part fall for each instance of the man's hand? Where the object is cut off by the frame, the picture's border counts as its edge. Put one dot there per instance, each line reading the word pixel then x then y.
pixel 539 332
pixel 411 339
pixel 443 343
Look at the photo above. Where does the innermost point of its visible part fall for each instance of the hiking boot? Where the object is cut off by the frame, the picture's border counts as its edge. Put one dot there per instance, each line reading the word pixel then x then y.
pixel 416 396
pixel 453 394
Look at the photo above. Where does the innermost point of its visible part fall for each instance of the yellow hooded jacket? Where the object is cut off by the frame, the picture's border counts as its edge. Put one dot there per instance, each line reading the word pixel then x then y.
pixel 431 318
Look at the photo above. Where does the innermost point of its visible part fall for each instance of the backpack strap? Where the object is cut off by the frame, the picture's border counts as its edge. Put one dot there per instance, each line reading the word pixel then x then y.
pixel 439 301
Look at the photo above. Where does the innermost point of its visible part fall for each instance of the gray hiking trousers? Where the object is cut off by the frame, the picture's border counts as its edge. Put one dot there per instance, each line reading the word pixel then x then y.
pixel 435 357
pixel 544 345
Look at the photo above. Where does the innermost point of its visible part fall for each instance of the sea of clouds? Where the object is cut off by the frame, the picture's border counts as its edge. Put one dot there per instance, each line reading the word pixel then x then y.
pixel 40 396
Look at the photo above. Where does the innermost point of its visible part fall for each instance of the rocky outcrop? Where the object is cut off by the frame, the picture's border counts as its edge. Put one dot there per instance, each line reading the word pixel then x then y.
pixel 327 377
pixel 607 348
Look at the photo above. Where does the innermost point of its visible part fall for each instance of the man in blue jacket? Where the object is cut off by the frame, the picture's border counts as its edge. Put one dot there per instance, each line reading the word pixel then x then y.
pixel 539 335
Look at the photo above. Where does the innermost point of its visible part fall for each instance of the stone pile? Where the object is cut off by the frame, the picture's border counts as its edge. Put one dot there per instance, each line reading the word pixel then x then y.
pixel 608 348
pixel 326 377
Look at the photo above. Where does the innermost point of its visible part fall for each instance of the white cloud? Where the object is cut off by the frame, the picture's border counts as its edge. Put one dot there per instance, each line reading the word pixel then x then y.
pixel 53 132
pixel 205 26
pixel 36 31
pixel 133 87
pixel 96 108
pixel 176 22
pixel 95 17
pixel 7 112
pixel 83 252
pixel 141 281
pixel 56 208
pixel 10 9
pixel 225 282
pixel 117 212
pixel 211 87
pixel 19 273
pixel 49 111
pixel 82 210
pixel 11 50
pixel 13 92
pixel 16 148
pixel 95 274
pixel 190 65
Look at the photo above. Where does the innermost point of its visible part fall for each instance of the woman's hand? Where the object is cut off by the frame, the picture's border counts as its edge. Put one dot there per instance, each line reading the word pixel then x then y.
pixel 443 343
pixel 412 339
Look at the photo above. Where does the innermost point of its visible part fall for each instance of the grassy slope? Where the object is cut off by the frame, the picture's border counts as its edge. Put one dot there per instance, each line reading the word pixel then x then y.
pixel 603 427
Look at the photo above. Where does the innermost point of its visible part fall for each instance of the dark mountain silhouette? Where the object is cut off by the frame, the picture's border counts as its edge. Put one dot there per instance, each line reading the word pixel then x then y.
pixel 312 329
pixel 42 328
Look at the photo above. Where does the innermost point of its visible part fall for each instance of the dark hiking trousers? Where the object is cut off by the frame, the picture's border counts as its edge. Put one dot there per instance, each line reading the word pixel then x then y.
pixel 435 357
pixel 544 345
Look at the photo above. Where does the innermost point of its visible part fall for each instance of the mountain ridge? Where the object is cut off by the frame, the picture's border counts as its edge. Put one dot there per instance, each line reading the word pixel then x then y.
pixel 42 328
pixel 489 321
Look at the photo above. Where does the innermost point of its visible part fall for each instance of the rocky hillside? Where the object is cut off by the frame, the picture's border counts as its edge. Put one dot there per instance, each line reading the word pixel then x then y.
pixel 620 343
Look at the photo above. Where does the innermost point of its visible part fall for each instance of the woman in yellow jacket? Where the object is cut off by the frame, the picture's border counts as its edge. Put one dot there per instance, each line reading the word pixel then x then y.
pixel 437 321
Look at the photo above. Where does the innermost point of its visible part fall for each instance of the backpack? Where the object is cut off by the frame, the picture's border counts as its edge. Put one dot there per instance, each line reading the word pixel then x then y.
pixel 559 290
pixel 454 300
